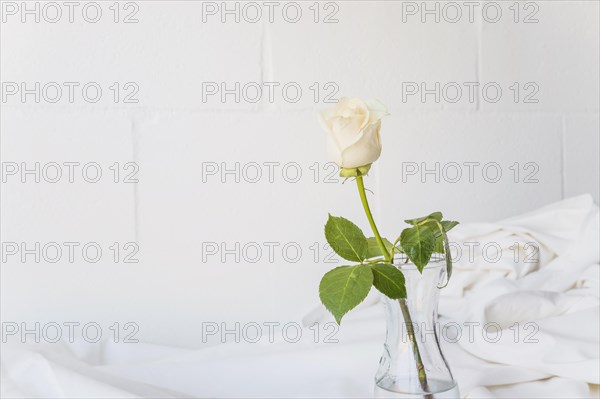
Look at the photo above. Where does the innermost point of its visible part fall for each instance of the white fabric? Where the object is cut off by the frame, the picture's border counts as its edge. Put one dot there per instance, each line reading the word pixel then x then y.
pixel 559 292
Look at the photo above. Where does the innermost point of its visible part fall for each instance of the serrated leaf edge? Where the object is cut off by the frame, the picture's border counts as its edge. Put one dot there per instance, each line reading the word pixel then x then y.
pixel 339 320
pixel 401 288
pixel 359 257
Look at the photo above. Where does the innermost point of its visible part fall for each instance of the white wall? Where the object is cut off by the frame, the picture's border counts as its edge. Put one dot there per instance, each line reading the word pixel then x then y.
pixel 171 132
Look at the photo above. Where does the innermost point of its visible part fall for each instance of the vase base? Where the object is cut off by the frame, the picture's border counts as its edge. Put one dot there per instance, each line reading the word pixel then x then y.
pixel 388 388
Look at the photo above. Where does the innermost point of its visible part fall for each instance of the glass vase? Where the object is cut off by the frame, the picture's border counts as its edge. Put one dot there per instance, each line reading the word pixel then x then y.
pixel 413 364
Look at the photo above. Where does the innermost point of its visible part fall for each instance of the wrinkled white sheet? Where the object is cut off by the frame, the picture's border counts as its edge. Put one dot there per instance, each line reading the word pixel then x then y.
pixel 557 289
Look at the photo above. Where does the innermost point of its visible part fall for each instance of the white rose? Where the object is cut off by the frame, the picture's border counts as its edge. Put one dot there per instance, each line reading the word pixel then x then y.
pixel 353 131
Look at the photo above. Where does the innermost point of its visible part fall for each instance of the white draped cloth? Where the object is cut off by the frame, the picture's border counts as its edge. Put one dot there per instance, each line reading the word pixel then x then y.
pixel 537 281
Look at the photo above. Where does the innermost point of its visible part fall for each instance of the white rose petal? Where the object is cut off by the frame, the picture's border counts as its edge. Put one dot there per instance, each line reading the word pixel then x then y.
pixel 353 131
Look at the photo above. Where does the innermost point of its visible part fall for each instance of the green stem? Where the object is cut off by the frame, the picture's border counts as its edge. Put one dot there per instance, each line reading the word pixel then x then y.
pixel 411 336
pixel 365 203
pixel 403 306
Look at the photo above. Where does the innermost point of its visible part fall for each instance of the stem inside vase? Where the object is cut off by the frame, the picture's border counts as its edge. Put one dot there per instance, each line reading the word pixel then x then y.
pixel 405 311
pixel 413 340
